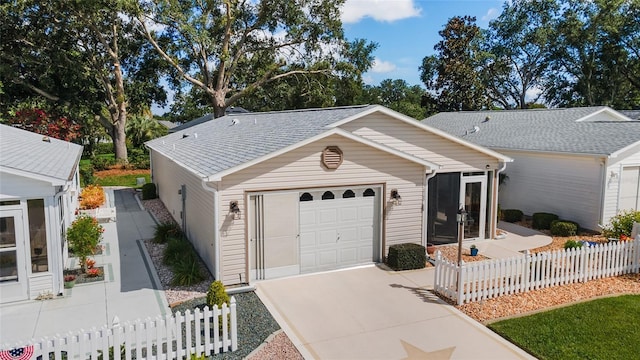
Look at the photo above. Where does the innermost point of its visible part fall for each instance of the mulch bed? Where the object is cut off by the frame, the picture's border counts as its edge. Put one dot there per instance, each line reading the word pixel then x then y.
pixel 82 278
pixel 120 172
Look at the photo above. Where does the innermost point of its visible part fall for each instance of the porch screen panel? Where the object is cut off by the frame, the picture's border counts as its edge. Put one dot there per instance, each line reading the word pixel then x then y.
pixel 444 198
pixel 630 188
pixel 38 236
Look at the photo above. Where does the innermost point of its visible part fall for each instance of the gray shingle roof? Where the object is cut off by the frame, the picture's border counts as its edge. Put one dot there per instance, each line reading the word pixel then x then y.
pixel 26 151
pixel 214 145
pixel 632 114
pixel 552 130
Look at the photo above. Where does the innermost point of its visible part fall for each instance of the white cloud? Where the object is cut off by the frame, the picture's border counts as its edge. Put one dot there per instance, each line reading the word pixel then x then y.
pixel 380 66
pixel 380 10
pixel 491 14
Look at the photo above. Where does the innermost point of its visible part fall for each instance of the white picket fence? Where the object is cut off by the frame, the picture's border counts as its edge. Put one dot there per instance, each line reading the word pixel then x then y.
pixel 178 336
pixel 488 279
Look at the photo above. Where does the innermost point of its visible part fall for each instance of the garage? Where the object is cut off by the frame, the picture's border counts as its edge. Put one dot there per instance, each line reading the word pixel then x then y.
pixel 630 188
pixel 316 230
pixel 338 228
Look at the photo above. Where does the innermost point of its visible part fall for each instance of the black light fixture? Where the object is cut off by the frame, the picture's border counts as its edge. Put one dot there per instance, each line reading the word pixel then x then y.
pixel 396 199
pixel 234 209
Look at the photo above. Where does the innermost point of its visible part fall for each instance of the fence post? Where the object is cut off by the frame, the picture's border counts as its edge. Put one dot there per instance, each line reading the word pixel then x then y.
pixel 460 285
pixel 234 325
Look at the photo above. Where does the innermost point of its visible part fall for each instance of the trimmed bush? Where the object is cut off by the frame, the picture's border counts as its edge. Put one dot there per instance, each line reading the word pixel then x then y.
pixel 512 215
pixel 217 294
pixel 165 231
pixel 149 191
pixel 103 148
pixel 406 256
pixel 86 174
pixel 621 224
pixel 102 163
pixel 572 244
pixel 542 220
pixel 564 228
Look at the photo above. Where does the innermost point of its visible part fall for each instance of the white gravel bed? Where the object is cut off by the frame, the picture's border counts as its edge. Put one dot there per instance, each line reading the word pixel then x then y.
pixel 277 347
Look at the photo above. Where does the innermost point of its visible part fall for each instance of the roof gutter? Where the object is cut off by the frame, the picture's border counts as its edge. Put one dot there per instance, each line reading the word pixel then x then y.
pixel 216 233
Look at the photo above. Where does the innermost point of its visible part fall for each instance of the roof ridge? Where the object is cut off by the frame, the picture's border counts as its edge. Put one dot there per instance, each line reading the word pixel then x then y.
pixel 331 108
pixel 522 110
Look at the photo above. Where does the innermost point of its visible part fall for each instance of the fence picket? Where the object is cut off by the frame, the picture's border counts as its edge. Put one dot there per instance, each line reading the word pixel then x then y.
pixel 491 278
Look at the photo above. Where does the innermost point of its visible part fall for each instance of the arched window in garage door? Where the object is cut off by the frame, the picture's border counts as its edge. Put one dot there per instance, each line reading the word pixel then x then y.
pixel 369 192
pixel 306 197
pixel 328 195
pixel 348 194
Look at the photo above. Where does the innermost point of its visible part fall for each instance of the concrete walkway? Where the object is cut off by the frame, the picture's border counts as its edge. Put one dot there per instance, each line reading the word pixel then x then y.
pixel 372 313
pixel 517 239
pixel 130 291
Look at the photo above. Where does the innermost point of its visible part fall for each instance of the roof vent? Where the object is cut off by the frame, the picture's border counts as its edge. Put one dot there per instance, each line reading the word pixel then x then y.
pixel 487 118
pixel 332 157
pixel 46 139
pixel 185 135
pixel 234 121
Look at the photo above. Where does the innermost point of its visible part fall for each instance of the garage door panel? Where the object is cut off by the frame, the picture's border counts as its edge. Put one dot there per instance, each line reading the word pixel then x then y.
pixel 328 217
pixel 307 239
pixel 344 230
pixel 327 237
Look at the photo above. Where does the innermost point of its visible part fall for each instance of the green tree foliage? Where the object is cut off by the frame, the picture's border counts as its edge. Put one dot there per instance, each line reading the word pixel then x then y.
pixel 518 45
pixel 594 56
pixel 230 49
pixel 455 72
pixel 79 55
pixel 143 128
pixel 397 95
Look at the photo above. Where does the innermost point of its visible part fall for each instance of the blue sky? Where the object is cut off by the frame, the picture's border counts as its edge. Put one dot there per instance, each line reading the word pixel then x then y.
pixel 407 30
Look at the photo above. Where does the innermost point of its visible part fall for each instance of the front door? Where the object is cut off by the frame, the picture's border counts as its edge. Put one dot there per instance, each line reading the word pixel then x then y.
pixel 473 190
pixel 13 271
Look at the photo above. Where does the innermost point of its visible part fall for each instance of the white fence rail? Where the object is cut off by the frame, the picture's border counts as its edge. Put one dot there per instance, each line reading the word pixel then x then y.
pixel 178 336
pixel 488 279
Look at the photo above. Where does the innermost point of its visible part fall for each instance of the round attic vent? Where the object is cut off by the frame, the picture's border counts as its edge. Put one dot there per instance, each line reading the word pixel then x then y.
pixel 332 157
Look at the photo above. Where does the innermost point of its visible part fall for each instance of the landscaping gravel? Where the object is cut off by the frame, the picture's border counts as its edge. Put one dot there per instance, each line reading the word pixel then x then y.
pixel 255 323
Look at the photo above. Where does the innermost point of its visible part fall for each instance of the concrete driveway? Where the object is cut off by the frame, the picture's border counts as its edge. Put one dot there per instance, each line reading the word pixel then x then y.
pixel 372 313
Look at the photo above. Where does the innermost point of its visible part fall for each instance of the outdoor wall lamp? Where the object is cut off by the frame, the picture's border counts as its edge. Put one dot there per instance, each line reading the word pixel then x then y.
pixel 234 209
pixel 396 199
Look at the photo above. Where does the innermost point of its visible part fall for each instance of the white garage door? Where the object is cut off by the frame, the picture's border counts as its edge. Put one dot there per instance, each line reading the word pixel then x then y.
pixel 338 228
pixel 630 188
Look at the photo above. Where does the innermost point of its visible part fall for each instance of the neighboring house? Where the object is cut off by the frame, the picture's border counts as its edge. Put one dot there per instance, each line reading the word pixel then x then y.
pixel 263 195
pixel 231 110
pixel 39 188
pixel 168 124
pixel 631 114
pixel 580 163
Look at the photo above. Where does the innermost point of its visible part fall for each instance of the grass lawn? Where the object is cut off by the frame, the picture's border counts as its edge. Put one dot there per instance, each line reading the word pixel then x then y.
pixel 607 328
pixel 124 179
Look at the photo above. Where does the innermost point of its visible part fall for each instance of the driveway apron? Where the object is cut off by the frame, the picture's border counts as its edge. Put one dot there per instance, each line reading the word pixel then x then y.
pixel 373 313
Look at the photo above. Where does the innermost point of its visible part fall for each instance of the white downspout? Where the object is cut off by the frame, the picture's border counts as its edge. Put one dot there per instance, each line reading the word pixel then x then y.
pixel 55 245
pixel 216 233
pixel 425 204
pixel 494 210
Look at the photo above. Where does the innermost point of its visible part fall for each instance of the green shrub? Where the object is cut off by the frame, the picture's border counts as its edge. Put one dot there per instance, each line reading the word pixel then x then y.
pixel 139 158
pixel 186 271
pixel 512 215
pixel 542 220
pixel 177 249
pixel 102 163
pixel 217 295
pixel 103 148
pixel 149 191
pixel 407 256
pixel 564 228
pixel 572 244
pixel 165 231
pixel 86 174
pixel 621 224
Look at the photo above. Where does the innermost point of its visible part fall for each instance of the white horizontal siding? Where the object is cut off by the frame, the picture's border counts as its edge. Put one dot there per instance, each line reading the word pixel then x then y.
pixel 40 284
pixel 631 157
pixel 169 177
pixel 569 186
pixel 12 186
pixel 421 143
pixel 302 169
